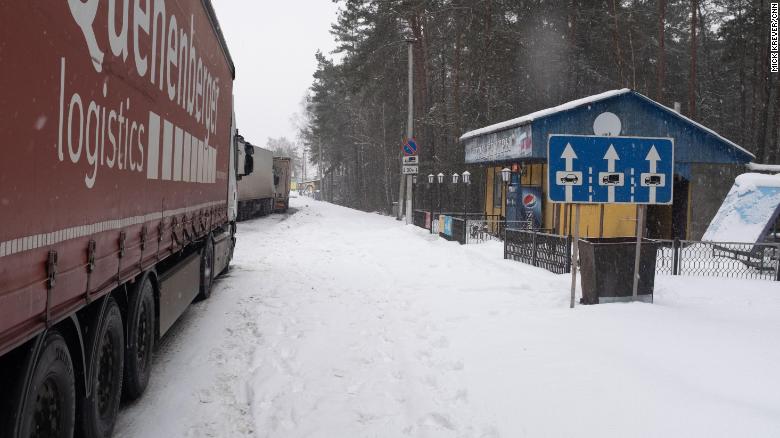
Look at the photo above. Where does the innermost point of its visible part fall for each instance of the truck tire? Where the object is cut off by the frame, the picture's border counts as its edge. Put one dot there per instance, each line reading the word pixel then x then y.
pixel 99 411
pixel 141 322
pixel 206 269
pixel 47 406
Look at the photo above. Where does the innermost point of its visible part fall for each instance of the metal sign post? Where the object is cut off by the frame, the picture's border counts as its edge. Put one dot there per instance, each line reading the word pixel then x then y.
pixel 575 253
pixel 640 231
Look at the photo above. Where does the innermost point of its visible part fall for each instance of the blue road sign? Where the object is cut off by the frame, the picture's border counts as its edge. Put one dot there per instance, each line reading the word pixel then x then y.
pixel 410 147
pixel 600 170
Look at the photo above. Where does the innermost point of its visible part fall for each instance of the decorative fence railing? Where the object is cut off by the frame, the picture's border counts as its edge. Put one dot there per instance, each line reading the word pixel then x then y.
pixel 483 230
pixel 719 259
pixel 549 251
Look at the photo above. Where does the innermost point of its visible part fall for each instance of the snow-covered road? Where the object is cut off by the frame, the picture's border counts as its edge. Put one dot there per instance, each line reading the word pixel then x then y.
pixel 337 323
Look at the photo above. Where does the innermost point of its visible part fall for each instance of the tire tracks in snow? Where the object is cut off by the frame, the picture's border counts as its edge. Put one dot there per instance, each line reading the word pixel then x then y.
pixel 348 351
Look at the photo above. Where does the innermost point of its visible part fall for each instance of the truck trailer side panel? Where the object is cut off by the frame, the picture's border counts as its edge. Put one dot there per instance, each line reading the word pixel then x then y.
pixel 116 137
pixel 256 191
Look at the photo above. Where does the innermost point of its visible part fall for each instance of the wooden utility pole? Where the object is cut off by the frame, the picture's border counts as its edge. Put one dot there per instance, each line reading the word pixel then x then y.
pixel 692 81
pixel 409 129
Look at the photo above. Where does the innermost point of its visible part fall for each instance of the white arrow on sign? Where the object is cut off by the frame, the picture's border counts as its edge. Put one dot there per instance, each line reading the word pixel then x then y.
pixel 653 158
pixel 611 156
pixel 569 155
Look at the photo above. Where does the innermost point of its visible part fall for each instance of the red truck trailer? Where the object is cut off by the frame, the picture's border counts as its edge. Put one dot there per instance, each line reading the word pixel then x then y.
pixel 117 198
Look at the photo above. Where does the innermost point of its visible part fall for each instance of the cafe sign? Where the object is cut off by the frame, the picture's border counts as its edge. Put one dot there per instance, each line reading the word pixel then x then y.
pixel 500 146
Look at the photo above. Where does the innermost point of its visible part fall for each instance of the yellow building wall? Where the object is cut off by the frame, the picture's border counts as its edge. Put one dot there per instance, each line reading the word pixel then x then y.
pixel 619 220
pixel 489 209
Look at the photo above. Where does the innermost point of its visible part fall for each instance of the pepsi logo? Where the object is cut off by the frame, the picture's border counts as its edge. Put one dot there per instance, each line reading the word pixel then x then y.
pixel 529 200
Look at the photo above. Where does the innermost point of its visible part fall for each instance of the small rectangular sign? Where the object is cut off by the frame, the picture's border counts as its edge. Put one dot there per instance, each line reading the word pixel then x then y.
pixel 411 159
pixel 411 169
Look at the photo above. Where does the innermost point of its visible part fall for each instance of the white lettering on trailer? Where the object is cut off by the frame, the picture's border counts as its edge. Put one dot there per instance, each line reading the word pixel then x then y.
pixel 193 87
pixel 167 151
pixel 153 154
pixel 201 161
pixel 177 153
pixel 194 160
pixel 186 159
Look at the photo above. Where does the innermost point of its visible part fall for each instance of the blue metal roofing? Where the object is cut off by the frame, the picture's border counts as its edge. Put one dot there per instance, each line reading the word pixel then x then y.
pixel 640 116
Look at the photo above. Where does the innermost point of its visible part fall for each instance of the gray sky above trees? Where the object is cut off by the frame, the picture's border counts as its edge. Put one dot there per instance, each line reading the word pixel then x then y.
pixel 273 44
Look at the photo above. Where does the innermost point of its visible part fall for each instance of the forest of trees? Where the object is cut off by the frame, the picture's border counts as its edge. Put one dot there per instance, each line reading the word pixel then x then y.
pixel 478 62
pixel 283 147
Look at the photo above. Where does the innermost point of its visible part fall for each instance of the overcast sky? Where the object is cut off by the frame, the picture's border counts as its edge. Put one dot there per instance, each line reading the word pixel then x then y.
pixel 273 43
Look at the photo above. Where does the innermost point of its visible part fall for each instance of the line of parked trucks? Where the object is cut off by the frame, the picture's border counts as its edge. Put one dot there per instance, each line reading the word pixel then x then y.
pixel 267 189
pixel 121 180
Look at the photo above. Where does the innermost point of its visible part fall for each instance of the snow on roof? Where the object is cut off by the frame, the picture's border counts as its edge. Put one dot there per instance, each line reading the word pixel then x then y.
pixel 764 167
pixel 584 101
pixel 758 180
pixel 542 113
pixel 746 212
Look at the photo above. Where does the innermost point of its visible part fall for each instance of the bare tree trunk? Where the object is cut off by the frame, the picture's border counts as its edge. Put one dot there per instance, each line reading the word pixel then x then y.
pixel 631 47
pixel 764 88
pixel 756 99
pixel 456 101
pixel 692 81
pixel 742 88
pixel 421 80
pixel 616 38
pixel 661 70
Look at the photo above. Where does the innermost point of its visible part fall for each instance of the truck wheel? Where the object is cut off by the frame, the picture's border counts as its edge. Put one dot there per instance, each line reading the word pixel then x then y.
pixel 99 410
pixel 140 339
pixel 49 408
pixel 206 269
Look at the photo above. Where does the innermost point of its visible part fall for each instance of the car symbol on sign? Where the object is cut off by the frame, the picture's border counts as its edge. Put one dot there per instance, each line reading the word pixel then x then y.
pixel 653 180
pixel 569 178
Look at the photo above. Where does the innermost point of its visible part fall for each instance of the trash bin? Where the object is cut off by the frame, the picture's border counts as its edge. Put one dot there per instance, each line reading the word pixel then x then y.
pixel 607 269
pixel 395 208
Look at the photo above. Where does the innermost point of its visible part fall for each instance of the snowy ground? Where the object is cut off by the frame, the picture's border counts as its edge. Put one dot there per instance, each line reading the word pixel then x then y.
pixel 337 323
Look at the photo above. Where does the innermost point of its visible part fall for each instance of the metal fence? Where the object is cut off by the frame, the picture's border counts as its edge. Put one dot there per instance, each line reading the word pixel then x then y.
pixel 540 248
pixel 549 251
pixel 483 230
pixel 719 259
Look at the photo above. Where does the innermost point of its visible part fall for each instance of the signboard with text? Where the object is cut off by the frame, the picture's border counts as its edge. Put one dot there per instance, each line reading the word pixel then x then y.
pixel 509 144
